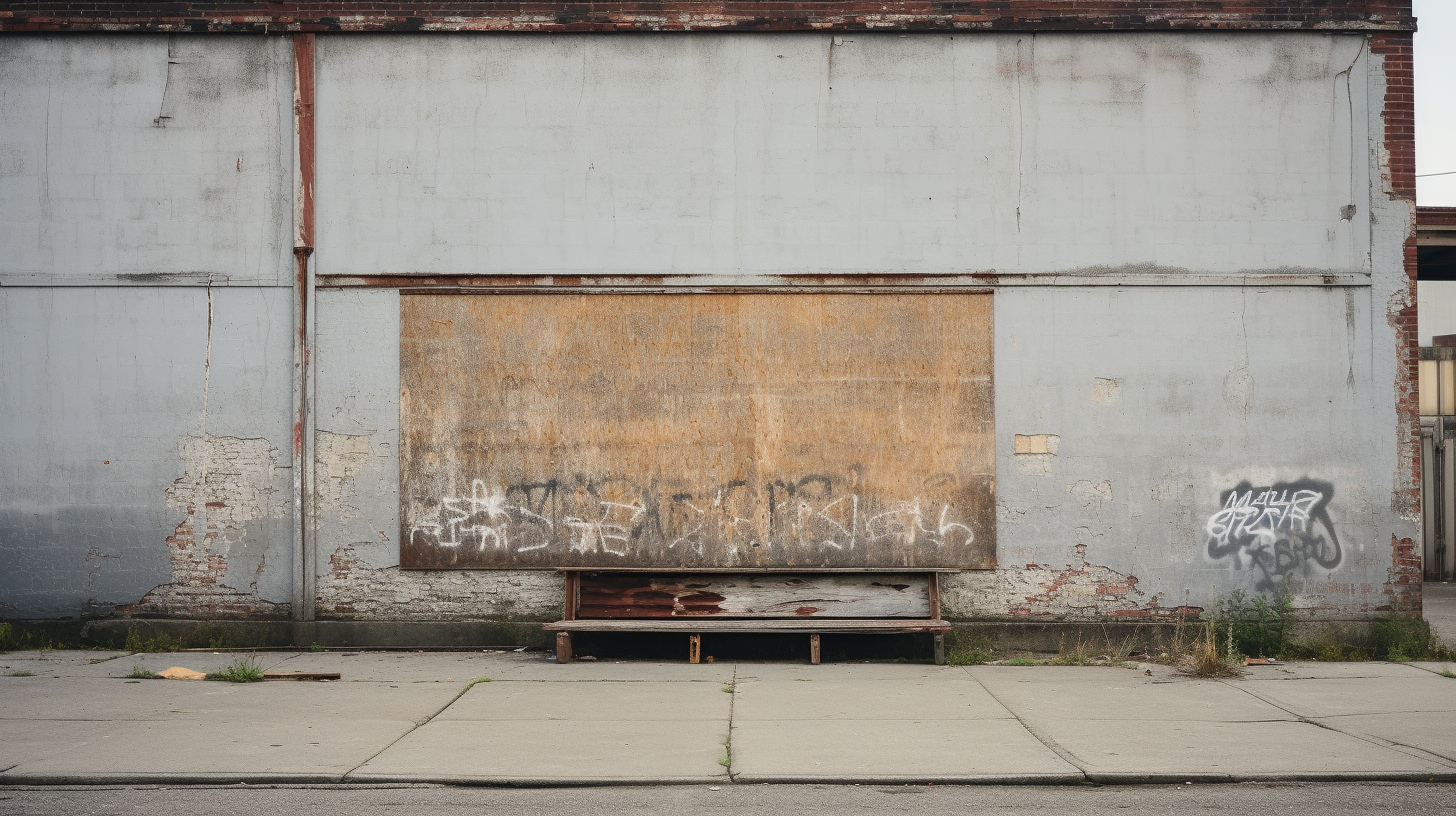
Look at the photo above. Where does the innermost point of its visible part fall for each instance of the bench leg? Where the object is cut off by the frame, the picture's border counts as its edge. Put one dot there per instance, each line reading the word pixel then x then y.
pixel 695 648
pixel 563 647
pixel 939 649
pixel 814 650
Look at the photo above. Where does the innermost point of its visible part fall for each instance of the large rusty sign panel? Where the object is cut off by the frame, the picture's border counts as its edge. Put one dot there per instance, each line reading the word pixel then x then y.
pixel 706 430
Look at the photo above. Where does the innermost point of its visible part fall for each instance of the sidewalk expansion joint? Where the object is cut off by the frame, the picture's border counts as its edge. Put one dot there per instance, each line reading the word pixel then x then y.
pixel 732 704
pixel 1400 748
pixel 344 777
pixel 1045 739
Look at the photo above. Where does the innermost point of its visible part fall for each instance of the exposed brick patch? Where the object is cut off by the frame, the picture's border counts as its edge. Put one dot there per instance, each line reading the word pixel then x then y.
pixel 227 482
pixel 354 589
pixel 1398 179
pixel 1083 591
pixel 1403 587
pixel 720 15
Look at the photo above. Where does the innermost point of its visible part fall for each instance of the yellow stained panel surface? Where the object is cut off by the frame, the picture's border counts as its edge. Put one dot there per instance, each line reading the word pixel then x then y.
pixel 697 430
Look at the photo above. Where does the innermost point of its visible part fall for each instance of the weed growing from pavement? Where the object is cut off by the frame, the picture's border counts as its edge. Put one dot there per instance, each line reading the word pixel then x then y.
pixel 962 649
pixel 140 672
pixel 243 671
pixel 1021 660
pixel 20 673
pixel 1206 659
pixel 1447 673
pixel 727 760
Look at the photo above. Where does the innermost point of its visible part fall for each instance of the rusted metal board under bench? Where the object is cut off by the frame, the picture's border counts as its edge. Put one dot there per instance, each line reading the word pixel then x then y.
pixel 694 602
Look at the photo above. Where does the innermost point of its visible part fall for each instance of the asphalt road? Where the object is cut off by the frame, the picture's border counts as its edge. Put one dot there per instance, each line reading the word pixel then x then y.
pixel 1356 799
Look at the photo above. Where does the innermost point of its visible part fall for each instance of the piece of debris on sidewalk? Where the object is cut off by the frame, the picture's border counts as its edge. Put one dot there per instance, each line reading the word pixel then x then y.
pixel 1260 661
pixel 318 676
pixel 180 673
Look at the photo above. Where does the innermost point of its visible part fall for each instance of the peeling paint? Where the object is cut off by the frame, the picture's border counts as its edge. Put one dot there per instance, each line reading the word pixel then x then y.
pixel 1078 591
pixel 1091 493
pixel 227 484
pixel 339 459
pixel 1104 389
pixel 354 589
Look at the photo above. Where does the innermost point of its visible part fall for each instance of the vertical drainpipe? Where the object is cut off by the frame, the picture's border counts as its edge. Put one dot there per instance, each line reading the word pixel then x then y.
pixel 305 564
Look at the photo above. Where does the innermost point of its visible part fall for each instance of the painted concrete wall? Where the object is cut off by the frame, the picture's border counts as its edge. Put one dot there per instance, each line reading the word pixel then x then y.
pixel 809 153
pixel 1188 158
pixel 145 433
pixel 145 216
pixel 134 159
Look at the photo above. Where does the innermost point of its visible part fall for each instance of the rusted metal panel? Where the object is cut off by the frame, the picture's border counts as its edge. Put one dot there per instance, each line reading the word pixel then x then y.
pixel 642 595
pixel 868 626
pixel 752 431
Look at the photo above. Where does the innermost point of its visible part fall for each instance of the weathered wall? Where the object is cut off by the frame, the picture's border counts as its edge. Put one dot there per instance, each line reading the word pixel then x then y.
pixel 1181 160
pixel 811 153
pixel 145 438
pixel 145 160
pixel 1163 400
pixel 145 211
pixel 356 354
pixel 1198 163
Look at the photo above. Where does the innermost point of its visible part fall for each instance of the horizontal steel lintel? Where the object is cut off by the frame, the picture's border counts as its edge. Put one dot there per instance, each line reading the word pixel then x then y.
pixel 869 284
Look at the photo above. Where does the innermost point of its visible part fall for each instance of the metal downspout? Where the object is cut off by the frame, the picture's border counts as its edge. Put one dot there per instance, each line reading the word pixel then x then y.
pixel 305 571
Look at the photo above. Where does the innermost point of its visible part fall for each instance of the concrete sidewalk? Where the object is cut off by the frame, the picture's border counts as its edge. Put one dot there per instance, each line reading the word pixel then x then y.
pixel 421 717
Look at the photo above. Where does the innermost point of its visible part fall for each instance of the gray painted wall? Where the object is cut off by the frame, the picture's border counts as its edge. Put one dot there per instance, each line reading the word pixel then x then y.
pixel 145 217
pixel 1182 159
pixel 145 160
pixel 718 154
pixel 125 413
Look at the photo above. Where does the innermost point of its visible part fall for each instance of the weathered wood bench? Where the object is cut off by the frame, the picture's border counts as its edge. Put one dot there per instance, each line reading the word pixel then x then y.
pixel 698 602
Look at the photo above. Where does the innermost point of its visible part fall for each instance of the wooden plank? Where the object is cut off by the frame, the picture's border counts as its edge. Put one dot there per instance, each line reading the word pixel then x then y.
pixel 814 649
pixel 573 594
pixel 748 431
pixel 301 676
pixel 563 647
pixel 641 595
pixel 691 625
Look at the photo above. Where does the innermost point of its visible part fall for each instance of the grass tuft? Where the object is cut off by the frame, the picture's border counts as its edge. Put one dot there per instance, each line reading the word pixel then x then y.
pixel 243 671
pixel 140 672
pixel 20 673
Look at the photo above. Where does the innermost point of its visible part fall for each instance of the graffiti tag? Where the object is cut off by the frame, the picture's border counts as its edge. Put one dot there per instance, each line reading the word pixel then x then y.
pixel 1276 530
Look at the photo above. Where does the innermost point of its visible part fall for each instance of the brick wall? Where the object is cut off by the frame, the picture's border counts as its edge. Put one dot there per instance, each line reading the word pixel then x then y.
pixel 687 15
pixel 1398 167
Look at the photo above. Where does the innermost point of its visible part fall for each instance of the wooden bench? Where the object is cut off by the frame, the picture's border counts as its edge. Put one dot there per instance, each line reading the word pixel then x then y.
pixel 698 602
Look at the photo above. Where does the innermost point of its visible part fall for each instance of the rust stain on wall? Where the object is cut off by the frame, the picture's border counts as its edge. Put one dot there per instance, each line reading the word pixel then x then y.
pixel 713 430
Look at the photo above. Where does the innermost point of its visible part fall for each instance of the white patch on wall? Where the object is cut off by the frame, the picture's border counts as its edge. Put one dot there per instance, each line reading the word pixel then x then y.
pixel 1104 389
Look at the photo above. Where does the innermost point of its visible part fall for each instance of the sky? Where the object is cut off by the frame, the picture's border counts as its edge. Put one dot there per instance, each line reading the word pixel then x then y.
pixel 1435 65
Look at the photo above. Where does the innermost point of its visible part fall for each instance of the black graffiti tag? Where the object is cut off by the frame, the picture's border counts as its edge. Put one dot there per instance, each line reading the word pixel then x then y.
pixel 1276 529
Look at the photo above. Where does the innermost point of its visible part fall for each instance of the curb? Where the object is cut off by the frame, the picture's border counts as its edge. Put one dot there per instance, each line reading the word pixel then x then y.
pixel 1043 780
